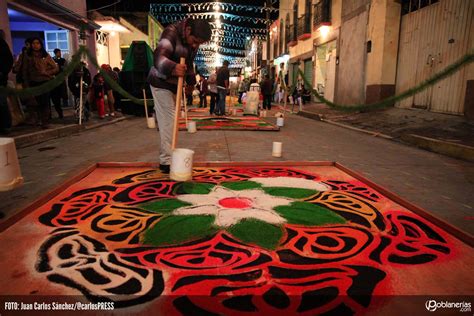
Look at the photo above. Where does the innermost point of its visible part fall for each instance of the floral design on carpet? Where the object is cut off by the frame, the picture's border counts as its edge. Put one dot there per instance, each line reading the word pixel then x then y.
pixel 262 240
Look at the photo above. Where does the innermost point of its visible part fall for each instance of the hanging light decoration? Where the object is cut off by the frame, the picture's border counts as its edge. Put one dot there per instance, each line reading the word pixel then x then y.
pixel 228 41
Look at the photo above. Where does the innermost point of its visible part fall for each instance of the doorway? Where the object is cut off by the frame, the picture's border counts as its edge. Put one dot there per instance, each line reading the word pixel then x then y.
pixel 325 70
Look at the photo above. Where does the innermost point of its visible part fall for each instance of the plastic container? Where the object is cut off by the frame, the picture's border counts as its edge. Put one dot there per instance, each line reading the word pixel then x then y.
pixel 192 127
pixel 181 168
pixel 276 151
pixel 10 174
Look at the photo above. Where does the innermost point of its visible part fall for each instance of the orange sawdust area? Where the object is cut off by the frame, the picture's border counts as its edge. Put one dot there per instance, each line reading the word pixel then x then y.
pixel 282 238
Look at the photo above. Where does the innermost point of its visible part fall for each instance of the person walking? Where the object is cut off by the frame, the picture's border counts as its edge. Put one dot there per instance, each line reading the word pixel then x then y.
pixel 242 89
pixel 213 92
pixel 222 82
pixel 266 88
pixel 38 69
pixel 109 96
pixel 181 39
pixel 60 92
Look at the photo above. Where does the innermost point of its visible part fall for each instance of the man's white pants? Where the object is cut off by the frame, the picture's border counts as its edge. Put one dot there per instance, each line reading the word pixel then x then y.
pixel 164 109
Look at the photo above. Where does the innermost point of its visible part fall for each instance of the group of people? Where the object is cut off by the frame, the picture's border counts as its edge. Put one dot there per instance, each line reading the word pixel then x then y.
pixel 216 86
pixel 35 67
pixel 183 39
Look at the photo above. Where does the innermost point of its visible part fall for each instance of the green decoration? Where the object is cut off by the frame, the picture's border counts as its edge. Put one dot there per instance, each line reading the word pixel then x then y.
pixel 164 205
pixel 241 185
pixel 305 213
pixel 193 188
pixel 172 230
pixel 49 85
pixel 257 232
pixel 130 58
pixel 294 193
pixel 448 71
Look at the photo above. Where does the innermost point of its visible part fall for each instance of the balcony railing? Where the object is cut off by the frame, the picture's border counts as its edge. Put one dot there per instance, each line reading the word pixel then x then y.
pixel 322 13
pixel 304 26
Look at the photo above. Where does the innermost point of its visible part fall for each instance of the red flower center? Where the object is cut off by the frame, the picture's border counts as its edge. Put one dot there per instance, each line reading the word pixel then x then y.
pixel 235 202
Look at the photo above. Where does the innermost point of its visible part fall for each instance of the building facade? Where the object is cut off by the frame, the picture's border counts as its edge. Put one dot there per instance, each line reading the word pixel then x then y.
pixel 363 51
pixel 57 23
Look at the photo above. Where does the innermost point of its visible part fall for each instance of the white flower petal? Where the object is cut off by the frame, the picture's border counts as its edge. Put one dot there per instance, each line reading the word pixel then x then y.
pixel 198 199
pixel 229 217
pixel 197 210
pixel 291 182
pixel 212 197
pixel 222 192
pixel 264 200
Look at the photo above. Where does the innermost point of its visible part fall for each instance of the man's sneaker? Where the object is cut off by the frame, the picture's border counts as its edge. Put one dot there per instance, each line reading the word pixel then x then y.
pixel 165 168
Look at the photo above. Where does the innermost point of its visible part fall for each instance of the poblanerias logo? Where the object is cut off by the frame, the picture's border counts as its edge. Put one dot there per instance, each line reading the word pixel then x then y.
pixel 432 305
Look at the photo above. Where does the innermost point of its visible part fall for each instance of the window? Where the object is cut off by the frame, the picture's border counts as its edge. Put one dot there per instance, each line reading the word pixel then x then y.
pixel 56 39
pixel 295 20
pixel 102 38
pixel 287 32
pixel 322 13
pixel 307 12
pixel 409 6
pixel 282 38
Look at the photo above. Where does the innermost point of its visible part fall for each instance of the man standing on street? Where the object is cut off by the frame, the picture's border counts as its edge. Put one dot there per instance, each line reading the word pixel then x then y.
pixel 222 87
pixel 203 91
pixel 60 92
pixel 178 40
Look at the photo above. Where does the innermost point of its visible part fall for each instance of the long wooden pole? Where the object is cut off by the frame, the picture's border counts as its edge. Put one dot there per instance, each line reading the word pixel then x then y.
pixel 177 108
pixel 80 99
pixel 145 104
pixel 185 107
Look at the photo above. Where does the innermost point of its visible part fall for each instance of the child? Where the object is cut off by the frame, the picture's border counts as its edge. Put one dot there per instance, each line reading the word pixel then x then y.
pixel 97 94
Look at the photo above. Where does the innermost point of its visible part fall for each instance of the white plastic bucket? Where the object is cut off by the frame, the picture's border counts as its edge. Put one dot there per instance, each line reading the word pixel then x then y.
pixel 151 122
pixel 280 121
pixel 276 150
pixel 10 174
pixel 192 127
pixel 234 112
pixel 181 168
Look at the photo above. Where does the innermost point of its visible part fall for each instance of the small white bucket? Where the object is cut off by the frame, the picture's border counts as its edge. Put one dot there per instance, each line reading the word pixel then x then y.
pixel 276 151
pixel 280 121
pixel 181 168
pixel 234 112
pixel 151 122
pixel 10 174
pixel 192 127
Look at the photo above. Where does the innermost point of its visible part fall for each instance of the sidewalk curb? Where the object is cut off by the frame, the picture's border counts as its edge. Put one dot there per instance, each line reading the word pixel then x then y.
pixel 313 116
pixel 100 124
pixel 434 145
pixel 319 117
pixel 441 147
pixel 63 131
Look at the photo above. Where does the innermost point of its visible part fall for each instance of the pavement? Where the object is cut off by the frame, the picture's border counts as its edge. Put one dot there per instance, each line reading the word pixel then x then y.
pixel 451 135
pixel 30 134
pixel 439 184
